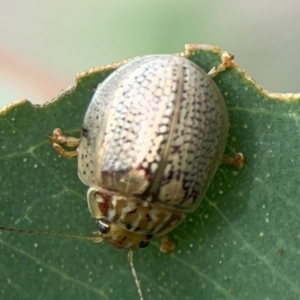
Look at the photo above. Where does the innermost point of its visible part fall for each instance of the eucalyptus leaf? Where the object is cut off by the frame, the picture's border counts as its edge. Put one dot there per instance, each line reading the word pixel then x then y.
pixel 242 242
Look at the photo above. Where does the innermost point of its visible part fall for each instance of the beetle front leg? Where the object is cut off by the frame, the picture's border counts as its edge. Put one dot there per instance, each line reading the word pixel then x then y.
pixel 166 245
pixel 59 138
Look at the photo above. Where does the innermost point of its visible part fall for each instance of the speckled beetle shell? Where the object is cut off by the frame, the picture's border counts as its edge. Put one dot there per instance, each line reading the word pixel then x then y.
pixel 152 139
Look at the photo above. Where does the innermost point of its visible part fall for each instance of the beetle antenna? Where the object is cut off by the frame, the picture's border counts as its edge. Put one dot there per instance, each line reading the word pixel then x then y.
pixel 36 232
pixel 137 282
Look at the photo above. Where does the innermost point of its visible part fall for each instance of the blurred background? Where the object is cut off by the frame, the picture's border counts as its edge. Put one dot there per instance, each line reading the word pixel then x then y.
pixel 43 44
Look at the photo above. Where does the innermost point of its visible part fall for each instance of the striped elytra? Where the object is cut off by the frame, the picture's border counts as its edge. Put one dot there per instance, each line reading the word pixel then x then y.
pixel 152 139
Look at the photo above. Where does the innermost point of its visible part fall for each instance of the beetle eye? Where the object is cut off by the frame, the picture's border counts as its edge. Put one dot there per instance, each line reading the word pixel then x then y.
pixel 144 244
pixel 103 226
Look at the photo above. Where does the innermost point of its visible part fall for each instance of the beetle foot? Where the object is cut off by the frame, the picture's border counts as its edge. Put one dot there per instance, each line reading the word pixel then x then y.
pixel 227 63
pixel 59 138
pixel 166 245
pixel 238 160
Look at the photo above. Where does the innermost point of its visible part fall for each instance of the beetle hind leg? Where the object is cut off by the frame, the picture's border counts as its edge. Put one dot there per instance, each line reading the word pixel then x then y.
pixel 227 63
pixel 58 138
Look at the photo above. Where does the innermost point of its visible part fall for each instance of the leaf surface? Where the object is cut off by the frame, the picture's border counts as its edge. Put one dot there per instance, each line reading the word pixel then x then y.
pixel 242 242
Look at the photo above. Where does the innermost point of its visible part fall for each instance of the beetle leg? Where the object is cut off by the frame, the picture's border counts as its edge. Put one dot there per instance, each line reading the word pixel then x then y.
pixel 62 152
pixel 166 245
pixel 227 63
pixel 59 138
pixel 238 160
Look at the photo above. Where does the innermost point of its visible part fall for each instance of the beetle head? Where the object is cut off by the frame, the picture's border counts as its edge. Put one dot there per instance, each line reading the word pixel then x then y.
pixel 120 237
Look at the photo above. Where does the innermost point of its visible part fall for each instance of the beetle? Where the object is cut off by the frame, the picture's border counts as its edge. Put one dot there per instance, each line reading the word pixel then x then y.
pixel 152 139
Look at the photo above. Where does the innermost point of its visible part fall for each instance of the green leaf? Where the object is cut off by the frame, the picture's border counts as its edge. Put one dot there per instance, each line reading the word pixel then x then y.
pixel 242 242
